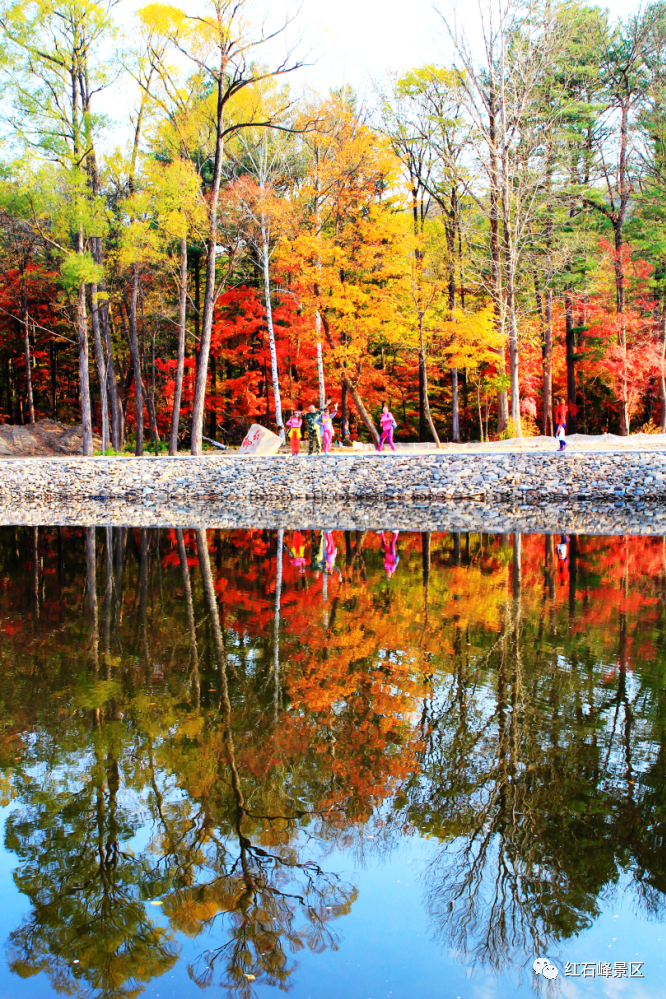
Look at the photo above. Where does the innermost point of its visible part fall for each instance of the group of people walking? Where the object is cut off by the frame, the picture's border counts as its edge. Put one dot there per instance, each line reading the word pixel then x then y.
pixel 319 426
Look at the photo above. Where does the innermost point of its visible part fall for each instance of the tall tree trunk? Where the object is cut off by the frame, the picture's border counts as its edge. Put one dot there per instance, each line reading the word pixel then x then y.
pixel 546 329
pixel 101 365
pixel 344 411
pixel 422 392
pixel 136 359
pixel 84 367
pixel 618 227
pixel 12 391
pixel 117 422
pixel 213 393
pixel 28 372
pixel 662 366
pixel 320 367
pixel 360 408
pixel 271 333
pixel 351 387
pixel 26 348
pixel 180 363
pixel 152 418
pixel 54 379
pixel 210 291
pixel 571 364
pixel 423 368
pixel 495 255
pixel 511 319
pixel 548 365
pixel 197 306
pixel 502 409
pixel 451 249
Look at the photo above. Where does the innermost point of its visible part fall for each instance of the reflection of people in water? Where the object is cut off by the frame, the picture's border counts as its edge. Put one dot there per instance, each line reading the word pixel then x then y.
pixel 563 559
pixel 316 551
pixel 297 552
pixel 330 552
pixel 390 549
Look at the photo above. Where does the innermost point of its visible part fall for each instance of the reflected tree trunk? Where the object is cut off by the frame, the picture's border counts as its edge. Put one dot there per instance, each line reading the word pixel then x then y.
pixel 549 561
pixel 276 626
pixel 180 362
pixel 517 576
pixel 108 602
pixel 61 559
pixel 35 569
pixel 91 582
pixel 225 704
pixel 425 557
pixel 425 564
pixel 119 558
pixel 573 574
pixel 143 594
pixel 191 626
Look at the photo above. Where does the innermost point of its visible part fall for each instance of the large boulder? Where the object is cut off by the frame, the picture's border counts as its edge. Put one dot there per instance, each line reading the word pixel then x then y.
pixel 259 440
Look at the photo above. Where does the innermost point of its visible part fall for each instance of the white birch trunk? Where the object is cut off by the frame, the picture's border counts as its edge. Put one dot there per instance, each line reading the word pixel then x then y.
pixel 271 333
pixel 320 369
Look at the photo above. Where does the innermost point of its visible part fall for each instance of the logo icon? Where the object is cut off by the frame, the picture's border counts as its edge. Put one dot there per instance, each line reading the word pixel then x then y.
pixel 542 966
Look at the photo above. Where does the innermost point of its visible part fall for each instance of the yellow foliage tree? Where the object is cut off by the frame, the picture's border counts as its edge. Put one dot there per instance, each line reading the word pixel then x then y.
pixel 471 341
pixel 349 257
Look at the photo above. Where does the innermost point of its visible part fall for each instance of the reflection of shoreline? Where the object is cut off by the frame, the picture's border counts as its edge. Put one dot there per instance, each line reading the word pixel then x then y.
pixel 410 514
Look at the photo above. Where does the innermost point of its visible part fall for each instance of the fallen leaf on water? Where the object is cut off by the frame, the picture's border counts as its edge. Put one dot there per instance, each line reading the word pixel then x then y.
pixel 250 978
pixel 156 903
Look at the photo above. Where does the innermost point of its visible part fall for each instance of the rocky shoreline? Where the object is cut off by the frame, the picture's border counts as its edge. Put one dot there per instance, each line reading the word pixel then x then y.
pixel 578 492
pixel 437 516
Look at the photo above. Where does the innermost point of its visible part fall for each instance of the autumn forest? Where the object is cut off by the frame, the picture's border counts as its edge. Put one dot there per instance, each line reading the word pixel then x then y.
pixel 469 241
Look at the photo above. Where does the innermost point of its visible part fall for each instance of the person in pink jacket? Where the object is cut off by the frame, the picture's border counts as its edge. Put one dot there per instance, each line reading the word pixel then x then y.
pixel 390 550
pixel 294 427
pixel 327 426
pixel 387 424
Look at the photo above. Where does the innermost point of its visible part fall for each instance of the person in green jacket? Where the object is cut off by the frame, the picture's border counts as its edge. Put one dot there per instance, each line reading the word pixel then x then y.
pixel 310 420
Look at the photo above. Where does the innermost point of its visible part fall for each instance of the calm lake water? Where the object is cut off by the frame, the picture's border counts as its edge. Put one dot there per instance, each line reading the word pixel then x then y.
pixel 335 764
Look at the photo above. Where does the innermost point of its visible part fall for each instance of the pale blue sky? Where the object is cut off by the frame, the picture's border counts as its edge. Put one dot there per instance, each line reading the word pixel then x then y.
pixel 354 41
pixel 362 38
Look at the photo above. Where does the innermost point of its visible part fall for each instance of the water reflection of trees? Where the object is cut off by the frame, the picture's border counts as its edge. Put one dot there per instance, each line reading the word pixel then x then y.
pixel 531 777
pixel 222 851
pixel 254 720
